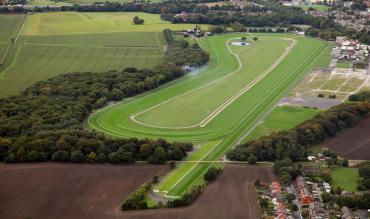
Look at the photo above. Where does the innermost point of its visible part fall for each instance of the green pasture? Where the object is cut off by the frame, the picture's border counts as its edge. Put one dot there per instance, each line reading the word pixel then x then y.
pixel 317 7
pixel 47 3
pixel 62 23
pixel 39 58
pixel 344 64
pixel 45 54
pixel 231 122
pixel 9 26
pixel 88 2
pixel 346 178
pixel 124 39
pixel 282 118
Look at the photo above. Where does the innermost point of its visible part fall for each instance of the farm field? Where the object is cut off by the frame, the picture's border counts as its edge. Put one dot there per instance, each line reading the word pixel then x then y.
pixel 234 189
pixel 346 178
pixel 185 110
pixel 353 143
pixel 47 3
pixel 317 7
pixel 87 2
pixel 10 25
pixel 290 115
pixel 51 190
pixel 38 58
pixel 41 52
pixel 96 191
pixel 63 23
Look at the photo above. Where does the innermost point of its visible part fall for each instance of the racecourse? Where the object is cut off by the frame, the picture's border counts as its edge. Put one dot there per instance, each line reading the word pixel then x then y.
pixel 231 93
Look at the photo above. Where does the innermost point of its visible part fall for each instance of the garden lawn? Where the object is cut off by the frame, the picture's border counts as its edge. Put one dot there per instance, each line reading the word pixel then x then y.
pixel 346 178
pixel 344 64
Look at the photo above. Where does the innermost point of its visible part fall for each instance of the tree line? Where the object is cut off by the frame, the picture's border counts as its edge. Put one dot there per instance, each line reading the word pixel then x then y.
pixel 364 173
pixel 293 144
pixel 177 52
pixel 44 122
pixel 264 14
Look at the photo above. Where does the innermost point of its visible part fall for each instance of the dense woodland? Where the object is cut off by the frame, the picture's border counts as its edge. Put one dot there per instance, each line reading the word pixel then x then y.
pixel 45 121
pixel 178 51
pixel 293 143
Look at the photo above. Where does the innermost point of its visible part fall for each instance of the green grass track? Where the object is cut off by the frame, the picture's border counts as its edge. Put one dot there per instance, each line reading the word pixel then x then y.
pixel 116 120
pixel 163 113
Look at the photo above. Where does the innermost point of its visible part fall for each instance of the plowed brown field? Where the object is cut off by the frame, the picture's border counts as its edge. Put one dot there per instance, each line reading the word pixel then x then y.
pixel 353 143
pixel 61 191
pixel 66 191
pixel 232 195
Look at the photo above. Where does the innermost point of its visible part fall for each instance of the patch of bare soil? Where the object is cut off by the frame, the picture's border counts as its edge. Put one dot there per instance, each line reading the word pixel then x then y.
pixel 353 143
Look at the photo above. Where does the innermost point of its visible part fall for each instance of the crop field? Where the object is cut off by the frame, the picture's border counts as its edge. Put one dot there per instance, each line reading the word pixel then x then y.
pixel 43 51
pixel 217 104
pixel 10 25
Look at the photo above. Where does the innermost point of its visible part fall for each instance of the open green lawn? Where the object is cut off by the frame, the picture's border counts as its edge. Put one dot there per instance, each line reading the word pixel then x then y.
pixel 9 26
pixel 346 178
pixel 87 2
pixel 47 3
pixel 282 118
pixel 344 64
pixel 317 7
pixel 62 23
pixel 224 114
pixel 34 63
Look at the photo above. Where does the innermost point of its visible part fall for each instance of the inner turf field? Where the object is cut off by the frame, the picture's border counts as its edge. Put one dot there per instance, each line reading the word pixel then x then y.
pixel 50 44
pixel 216 105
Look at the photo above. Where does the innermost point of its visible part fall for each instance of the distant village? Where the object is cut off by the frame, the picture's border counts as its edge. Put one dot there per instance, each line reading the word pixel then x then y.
pixel 305 196
pixel 351 50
